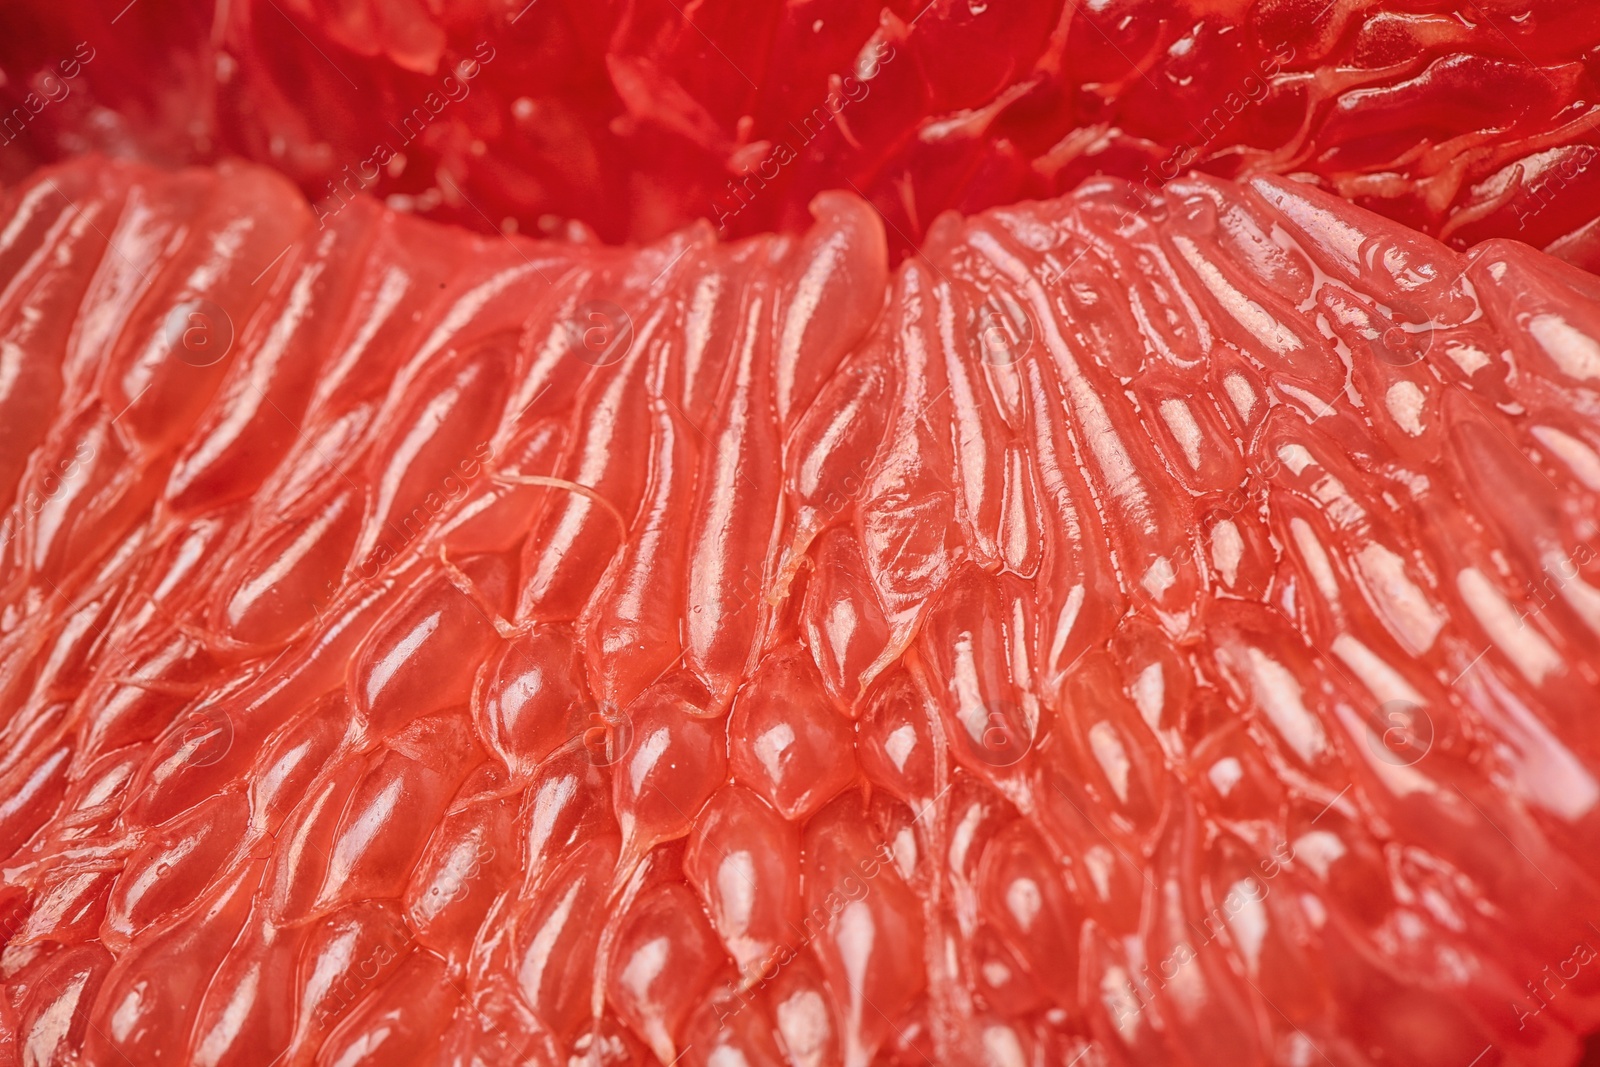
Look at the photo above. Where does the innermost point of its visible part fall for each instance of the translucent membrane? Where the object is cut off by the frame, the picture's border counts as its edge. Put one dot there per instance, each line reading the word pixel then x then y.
pixel 1128 632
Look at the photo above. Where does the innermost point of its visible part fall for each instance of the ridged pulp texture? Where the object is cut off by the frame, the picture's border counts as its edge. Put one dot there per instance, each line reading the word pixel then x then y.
pixel 1115 636
pixel 1467 120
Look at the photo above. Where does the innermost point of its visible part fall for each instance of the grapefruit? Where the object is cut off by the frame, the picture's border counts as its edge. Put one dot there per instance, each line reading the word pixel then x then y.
pixel 1466 120
pixel 1132 630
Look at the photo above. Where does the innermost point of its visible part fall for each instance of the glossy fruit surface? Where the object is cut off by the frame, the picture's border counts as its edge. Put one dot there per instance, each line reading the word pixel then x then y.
pixel 425 647
pixel 635 117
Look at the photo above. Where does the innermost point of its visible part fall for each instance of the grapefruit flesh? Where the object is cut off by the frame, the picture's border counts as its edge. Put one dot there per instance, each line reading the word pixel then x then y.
pixel 1468 121
pixel 424 647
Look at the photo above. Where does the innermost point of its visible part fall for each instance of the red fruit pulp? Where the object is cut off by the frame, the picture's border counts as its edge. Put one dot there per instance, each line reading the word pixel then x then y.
pixel 1469 121
pixel 436 648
